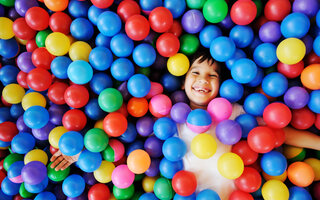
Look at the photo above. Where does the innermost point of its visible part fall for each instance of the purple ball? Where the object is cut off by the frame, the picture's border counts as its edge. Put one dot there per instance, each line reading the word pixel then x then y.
pixel 179 112
pixel 124 91
pixel 192 21
pixel 226 23
pixel 296 97
pixel 89 178
pixel 24 62
pixel 151 37
pixel 43 133
pixel 153 146
pixel 228 132
pixel 154 168
pixel 144 126
pixel 308 7
pixel 83 196
pixel 56 113
pixel 179 96
pixel 34 172
pixel 1 11
pixel 59 193
pixel 308 42
pixel 160 63
pixel 13 14
pixel 22 6
pixel 21 126
pixel 270 32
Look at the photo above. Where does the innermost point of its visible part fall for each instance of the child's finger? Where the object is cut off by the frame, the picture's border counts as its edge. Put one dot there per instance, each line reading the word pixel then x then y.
pixel 56 162
pixel 55 156
pixel 65 166
pixel 63 162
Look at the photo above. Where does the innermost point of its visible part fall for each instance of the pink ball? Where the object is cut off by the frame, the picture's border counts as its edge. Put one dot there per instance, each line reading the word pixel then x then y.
pixel 219 109
pixel 156 88
pixel 122 177
pixel 160 105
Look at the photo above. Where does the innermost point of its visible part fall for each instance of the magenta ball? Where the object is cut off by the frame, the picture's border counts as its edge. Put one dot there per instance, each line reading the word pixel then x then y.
pixel 122 177
pixel 160 105
pixel 219 109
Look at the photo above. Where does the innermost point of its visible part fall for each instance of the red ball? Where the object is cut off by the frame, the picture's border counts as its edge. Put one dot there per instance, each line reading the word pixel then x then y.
pixel 290 71
pixel 176 28
pixel 240 195
pixel 56 92
pixel 53 150
pixel 102 3
pixel 184 183
pixel 99 191
pixel 168 45
pixel 60 22
pixel 249 181
pixel 42 58
pixel 303 118
pixel 17 197
pixel 316 190
pixel 2 176
pixel 277 10
pixel 31 45
pixel 280 136
pixel 22 30
pixel 128 8
pixel 317 122
pixel 137 27
pixel 74 120
pixel 261 139
pixel 39 79
pixel 37 18
pixel 312 58
pixel 243 12
pixel 243 150
pixel 115 124
pixel 22 79
pixel 76 96
pixel 160 19
pixel 1 167
pixel 123 110
pixel 277 115
pixel 7 131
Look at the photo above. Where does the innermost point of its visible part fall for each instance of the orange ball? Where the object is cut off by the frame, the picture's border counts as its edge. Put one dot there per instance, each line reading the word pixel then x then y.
pixel 300 174
pixel 137 107
pixel 138 161
pixel 310 77
pixel 56 5
pixel 115 124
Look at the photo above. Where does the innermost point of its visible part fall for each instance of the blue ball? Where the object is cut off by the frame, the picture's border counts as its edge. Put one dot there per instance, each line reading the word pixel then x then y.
pixel 89 161
pixel 174 149
pixel 23 143
pixel 295 25
pixel 148 5
pixel 231 90
pixel 78 8
pixel 265 55
pixel 316 45
pixel 109 23
pixel 244 70
pixel 258 79
pixel 255 42
pixel 122 69
pixel 255 104
pixel 208 194
pixel 5 114
pixel 99 82
pixel 9 188
pixel 275 84
pixel 170 82
pixel 71 143
pixel 179 197
pixel 208 34
pixel 199 117
pixel 100 58
pixel 148 196
pixel 130 134
pixel 139 85
pixel 16 110
pixel 137 144
pixel 59 66
pixel 80 72
pixel 8 74
pixel 168 169
pixel 4 196
pixel 102 40
pixel 236 56
pixel 318 18
pixel 297 193
pixel 273 163
pixel 222 48
pixel 38 187
pixel 241 35
pixel 314 101
pixel 45 196
pixel 144 55
pixel 176 7
pixel 81 29
pixel 14 172
pixel 164 128
pixel 73 185
pixel 121 45
pixel 93 110
pixel 4 144
pixel 36 117
pixel 93 14
pixel 247 123
pixel 9 48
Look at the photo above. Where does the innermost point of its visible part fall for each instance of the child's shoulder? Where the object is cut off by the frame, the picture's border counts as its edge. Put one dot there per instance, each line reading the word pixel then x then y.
pixel 237 110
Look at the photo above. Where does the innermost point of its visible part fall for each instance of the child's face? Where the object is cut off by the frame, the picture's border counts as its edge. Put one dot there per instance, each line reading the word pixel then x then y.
pixel 202 83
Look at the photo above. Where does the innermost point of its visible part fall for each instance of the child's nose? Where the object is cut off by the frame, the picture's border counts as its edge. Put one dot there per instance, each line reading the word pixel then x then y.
pixel 202 80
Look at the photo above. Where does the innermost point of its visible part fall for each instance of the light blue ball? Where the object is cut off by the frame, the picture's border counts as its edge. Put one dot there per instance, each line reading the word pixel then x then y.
pixel 222 48
pixel 144 55
pixel 109 23
pixel 23 143
pixel 80 72
pixel 59 66
pixel 295 25
pixel 275 84
pixel 89 161
pixel 71 143
pixel 139 85
pixel 236 56
pixel 273 163
pixel 255 104
pixel 314 101
pixel 168 169
pixel 208 34
pixel 81 29
pixel 208 194
pixel 164 128
pixel 244 70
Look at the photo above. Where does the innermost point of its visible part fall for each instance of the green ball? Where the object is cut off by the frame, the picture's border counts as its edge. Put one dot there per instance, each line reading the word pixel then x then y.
pixel 41 37
pixel 137 195
pixel 195 4
pixel 145 71
pixel 259 7
pixel 189 44
pixel 139 177
pixel 318 154
pixel 163 189
pixel 110 100
pixel 96 140
pixel 8 3
pixel 270 70
pixel 215 11
pixel 24 193
pixel 123 194
pixel 108 154
pixel 57 176
pixel 10 159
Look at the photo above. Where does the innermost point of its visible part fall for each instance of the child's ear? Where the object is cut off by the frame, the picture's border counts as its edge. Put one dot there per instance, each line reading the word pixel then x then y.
pixel 182 85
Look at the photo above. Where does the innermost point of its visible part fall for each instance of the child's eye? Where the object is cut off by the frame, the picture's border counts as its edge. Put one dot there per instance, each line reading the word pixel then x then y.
pixel 213 75
pixel 196 73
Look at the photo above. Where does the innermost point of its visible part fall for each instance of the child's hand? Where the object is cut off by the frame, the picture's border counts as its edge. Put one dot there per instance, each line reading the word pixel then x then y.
pixel 61 161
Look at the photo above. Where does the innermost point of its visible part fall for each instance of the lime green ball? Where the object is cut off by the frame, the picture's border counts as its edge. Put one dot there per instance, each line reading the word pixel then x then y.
pixel 123 194
pixel 10 159
pixel 163 189
pixel 57 176
pixel 108 154
pixel 41 37
pixel 215 11
pixel 195 4
pixel 8 3
pixel 24 193
pixel 110 100
pixel 189 44
pixel 96 140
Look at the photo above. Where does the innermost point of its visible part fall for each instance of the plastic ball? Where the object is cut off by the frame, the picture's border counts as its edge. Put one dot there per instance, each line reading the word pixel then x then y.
pixel 244 70
pixel 163 189
pixel 98 191
pixel 238 194
pixel 126 9
pixel 121 45
pixel 295 25
pixel 144 55
pixel 14 172
pixel 115 124
pixel 299 193
pixel 300 174
pixel 34 173
pixel 57 176
pixel 184 183
pixel 309 77
pixel 8 74
pixel 59 66
pixel 296 97
pixel 302 118
pixel 9 188
pixel 37 18
pixel 192 21
pixel 137 27
pixel 241 35
pixel 249 181
pixel 55 134
pixel 231 90
pixel 89 161
pixel 215 11
pixel 243 12
pixel 277 10
pixel 96 140
pixel 291 51
pixel 208 194
pixel 39 79
pixel 314 101
pixel 113 21
pixel 33 99
pixel 122 177
pixel 255 104
pixel 22 30
pixel 208 34
pixel 76 96
pixel 103 173
pixel 179 112
pixel 170 82
pixel 9 48
pixel 79 50
pixel 160 19
pixel 275 189
pixel 178 64
pixel 139 85
pixel 122 69
pixel 57 44
pixel 203 146
pixel 199 120
pixel 228 132
pixel 10 159
pixel 13 93
pixel 174 149
pixel 275 84
pixel 261 139
pixel 222 48
pixel 277 115
pixel 153 146
pixel 125 193
pixel 73 185
pixel 177 8
pixel 144 126
pixel 137 107
pixel 80 72
pixel 270 32
pixel 138 161
pixel 273 163
pixel 189 44
pixel 265 55
pixel 219 109
pixel 38 187
pixel 45 195
pixel 110 100
pixel 36 117
pixel 60 22
pixel 230 165
pixel 58 5
pixel 160 105
pixel 6 28
pixel 23 143
pixel 71 143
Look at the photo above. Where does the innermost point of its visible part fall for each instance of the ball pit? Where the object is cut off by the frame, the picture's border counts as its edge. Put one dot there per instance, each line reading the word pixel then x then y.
pixel 101 80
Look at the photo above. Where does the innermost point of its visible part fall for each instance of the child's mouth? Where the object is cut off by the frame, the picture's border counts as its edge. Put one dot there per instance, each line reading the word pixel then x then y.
pixel 201 89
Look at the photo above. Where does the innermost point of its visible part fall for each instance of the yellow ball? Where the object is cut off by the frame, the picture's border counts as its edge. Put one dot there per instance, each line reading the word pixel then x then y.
pixel 6 31
pixel 99 124
pixel 13 93
pixel 36 155
pixel 291 51
pixel 55 134
pixel 103 173
pixel 230 165
pixel 315 164
pixel 281 177
pixel 57 44
pixel 178 65
pixel 80 51
pixel 148 183
pixel 33 99
pixel 21 41
pixel 293 153
pixel 203 146
pixel 275 189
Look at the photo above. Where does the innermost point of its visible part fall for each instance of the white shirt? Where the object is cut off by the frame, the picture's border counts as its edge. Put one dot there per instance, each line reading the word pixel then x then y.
pixel 206 170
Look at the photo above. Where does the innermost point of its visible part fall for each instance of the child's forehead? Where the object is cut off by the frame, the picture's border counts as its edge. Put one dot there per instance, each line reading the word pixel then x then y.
pixel 206 64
